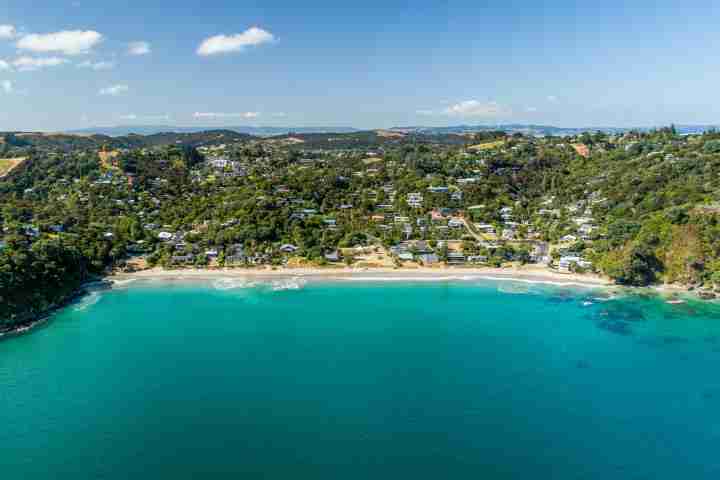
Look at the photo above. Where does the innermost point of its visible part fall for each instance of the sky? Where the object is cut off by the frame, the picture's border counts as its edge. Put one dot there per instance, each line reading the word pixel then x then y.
pixel 371 64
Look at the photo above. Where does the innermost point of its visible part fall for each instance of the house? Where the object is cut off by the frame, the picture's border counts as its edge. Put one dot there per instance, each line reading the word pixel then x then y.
pixel 455 223
pixel 183 258
pixel 508 234
pixel 165 236
pixel 415 200
pixel 235 254
pixel 568 239
pixel 406 256
pixel 566 263
pixel 288 248
pixel 485 228
pixel 465 181
pixel 477 259
pixel 333 256
pixel 438 189
pixel 428 258
pixel 455 258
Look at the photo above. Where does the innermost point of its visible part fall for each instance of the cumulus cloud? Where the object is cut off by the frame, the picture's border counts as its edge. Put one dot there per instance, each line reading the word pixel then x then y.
pixel 138 48
pixel 552 98
pixel 68 42
pixel 212 115
pixel 7 31
pixel 475 108
pixel 234 43
pixel 114 90
pixel 7 87
pixel 4 65
pixel 30 64
pixel 101 65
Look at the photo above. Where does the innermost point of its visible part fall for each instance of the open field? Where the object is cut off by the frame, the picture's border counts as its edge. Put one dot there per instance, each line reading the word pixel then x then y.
pixel 7 164
pixel 487 145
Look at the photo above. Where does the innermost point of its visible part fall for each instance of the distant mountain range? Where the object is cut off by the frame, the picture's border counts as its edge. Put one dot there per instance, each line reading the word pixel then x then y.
pixel 527 129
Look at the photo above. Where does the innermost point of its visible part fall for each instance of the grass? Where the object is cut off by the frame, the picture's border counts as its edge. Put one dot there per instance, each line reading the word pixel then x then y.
pixel 7 164
pixel 488 145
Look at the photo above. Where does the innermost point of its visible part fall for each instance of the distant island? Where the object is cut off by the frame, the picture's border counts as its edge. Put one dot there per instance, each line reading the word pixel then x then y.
pixel 632 207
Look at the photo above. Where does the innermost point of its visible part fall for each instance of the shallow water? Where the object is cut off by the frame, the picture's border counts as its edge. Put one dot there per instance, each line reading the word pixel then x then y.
pixel 306 380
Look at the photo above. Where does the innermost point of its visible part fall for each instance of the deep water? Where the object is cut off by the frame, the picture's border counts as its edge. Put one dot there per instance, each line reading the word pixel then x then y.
pixel 353 380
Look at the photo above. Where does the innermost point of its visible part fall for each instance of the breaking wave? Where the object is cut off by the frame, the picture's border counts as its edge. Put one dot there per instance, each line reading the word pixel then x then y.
pixel 224 284
pixel 87 301
pixel 288 284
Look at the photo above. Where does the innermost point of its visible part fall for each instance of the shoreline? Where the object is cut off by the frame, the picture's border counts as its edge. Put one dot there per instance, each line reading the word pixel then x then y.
pixel 529 275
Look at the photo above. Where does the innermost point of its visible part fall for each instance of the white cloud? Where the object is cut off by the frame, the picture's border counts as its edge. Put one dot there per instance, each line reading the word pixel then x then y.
pixel 114 90
pixel 30 64
pixel 7 87
pixel 7 31
pixel 138 48
pixel 552 98
pixel 101 65
pixel 4 65
pixel 475 108
pixel 234 43
pixel 144 118
pixel 425 112
pixel 199 115
pixel 68 42
pixel 531 109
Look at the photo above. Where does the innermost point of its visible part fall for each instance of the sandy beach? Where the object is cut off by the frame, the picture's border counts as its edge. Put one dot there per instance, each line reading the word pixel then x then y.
pixel 532 274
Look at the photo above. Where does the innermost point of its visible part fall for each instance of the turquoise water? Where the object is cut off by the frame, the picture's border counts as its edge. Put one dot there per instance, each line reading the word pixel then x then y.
pixel 363 380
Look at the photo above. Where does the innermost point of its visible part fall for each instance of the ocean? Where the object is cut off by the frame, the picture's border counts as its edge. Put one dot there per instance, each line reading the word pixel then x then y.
pixel 364 380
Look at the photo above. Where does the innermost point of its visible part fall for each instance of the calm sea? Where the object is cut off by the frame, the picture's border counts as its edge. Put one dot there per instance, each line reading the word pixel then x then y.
pixel 360 380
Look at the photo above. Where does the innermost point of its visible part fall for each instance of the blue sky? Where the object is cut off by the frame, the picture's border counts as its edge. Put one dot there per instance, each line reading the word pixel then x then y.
pixel 372 64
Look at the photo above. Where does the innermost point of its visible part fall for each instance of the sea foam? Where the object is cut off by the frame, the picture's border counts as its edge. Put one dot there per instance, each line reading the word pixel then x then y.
pixel 288 284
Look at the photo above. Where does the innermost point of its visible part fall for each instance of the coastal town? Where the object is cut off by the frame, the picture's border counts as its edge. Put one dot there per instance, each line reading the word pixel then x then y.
pixel 382 199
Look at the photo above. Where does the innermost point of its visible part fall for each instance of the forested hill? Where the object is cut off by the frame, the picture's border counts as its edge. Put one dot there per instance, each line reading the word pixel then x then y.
pixel 69 142
pixel 342 140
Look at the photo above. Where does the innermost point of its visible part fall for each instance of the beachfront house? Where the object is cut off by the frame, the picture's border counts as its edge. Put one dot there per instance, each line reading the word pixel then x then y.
pixel 456 258
pixel 428 258
pixel 288 248
pixel 333 256
pixel 567 262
